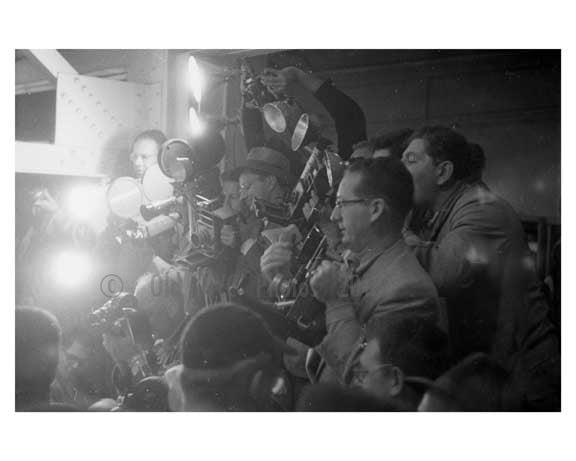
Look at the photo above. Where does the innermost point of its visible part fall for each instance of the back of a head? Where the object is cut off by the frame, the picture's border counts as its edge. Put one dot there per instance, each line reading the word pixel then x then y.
pixel 395 142
pixel 413 343
pixel 476 383
pixel 220 336
pixel 477 161
pixel 37 350
pixel 445 144
pixel 331 397
pixel 150 394
pixel 161 299
pixel 223 349
pixel 385 178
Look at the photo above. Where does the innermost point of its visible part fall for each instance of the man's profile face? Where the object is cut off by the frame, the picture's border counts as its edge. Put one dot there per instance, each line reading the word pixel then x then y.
pixel 144 154
pixel 253 186
pixel 231 191
pixel 352 218
pixel 423 170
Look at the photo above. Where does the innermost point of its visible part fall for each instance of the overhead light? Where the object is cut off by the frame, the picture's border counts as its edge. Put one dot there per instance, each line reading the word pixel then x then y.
pixel 197 126
pixel 300 131
pixel 287 118
pixel 176 159
pixel 196 79
pixel 181 161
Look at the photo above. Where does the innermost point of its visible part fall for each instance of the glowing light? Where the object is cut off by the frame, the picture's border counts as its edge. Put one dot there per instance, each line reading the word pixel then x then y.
pixel 71 268
pixel 196 125
pixel 87 204
pixel 196 79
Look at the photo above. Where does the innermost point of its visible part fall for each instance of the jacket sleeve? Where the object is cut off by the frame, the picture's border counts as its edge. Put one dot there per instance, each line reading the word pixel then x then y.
pixel 475 236
pixel 348 117
pixel 344 334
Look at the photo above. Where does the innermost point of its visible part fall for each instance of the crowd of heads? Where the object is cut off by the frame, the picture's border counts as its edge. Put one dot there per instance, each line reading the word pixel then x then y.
pixel 231 361
pixel 229 358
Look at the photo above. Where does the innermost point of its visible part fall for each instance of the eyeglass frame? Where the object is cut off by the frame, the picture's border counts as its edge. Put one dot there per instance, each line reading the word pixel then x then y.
pixel 339 203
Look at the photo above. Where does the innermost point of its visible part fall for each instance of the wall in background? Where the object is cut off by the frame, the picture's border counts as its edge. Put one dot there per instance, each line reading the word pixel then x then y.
pixel 508 101
pixel 509 104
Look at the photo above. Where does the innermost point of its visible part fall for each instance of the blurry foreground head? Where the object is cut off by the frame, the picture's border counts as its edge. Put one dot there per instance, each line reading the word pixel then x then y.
pixel 231 361
pixel 160 298
pixel 330 397
pixel 37 351
pixel 400 347
pixel 475 384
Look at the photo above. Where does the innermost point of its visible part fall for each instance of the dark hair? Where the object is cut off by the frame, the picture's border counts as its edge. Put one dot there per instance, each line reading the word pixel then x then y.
pixel 385 178
pixel 411 342
pixel 160 298
pixel 149 394
pixel 223 335
pixel 37 347
pixel 395 141
pixel 445 144
pixel 230 176
pixel 155 135
pixel 223 349
pixel 477 160
pixel 477 383
pixel 332 397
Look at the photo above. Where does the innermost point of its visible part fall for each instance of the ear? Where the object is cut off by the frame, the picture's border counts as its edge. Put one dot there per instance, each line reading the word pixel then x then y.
pixel 377 207
pixel 444 171
pixel 397 380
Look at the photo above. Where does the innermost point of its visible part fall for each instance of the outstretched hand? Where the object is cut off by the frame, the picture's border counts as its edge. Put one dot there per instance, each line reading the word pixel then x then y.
pixel 280 81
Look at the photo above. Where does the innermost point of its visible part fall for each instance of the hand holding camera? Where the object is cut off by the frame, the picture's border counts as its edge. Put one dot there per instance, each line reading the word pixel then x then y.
pixel 329 281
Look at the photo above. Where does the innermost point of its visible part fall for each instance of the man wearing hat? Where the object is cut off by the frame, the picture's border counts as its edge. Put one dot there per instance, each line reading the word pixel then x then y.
pixel 264 176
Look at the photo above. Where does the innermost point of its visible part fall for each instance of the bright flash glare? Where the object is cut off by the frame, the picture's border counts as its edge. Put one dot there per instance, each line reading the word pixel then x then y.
pixel 71 268
pixel 84 203
pixel 196 125
pixel 196 79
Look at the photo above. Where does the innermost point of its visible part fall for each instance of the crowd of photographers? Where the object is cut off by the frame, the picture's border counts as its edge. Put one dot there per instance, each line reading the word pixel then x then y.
pixel 392 279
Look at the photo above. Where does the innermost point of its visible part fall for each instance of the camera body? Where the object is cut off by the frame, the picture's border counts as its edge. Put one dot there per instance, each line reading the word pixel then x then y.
pixel 207 218
pixel 293 294
pixel 316 177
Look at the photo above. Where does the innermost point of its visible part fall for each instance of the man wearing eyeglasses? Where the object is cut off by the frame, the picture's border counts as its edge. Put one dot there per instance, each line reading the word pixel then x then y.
pixel 264 176
pixel 383 276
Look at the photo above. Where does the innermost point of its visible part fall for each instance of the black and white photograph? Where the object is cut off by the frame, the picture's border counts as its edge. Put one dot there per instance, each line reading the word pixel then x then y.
pixel 287 230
